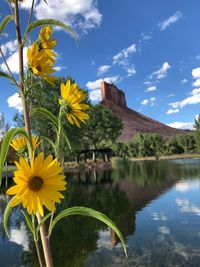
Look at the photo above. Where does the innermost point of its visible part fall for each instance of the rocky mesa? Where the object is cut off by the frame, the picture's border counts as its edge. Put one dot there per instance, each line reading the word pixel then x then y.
pixel 133 122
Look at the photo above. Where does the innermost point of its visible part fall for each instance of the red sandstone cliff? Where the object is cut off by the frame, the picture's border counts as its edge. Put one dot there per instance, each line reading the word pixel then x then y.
pixel 133 122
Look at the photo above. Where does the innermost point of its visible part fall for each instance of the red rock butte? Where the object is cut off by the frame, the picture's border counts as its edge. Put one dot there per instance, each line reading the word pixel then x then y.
pixel 133 122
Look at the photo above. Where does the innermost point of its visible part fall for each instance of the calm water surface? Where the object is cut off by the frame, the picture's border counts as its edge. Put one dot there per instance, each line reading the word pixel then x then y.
pixel 155 204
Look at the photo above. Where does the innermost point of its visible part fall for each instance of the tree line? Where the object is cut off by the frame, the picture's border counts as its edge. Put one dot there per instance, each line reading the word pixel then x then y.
pixel 103 129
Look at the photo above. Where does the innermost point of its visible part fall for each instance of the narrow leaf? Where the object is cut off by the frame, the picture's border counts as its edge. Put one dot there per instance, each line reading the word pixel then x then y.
pixel 91 213
pixel 48 141
pixel 5 22
pixel 28 221
pixel 53 119
pixel 45 22
pixel 6 215
pixel 5 75
pixel 6 143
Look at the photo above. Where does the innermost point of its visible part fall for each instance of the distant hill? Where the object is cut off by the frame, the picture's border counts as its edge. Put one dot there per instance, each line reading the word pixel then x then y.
pixel 133 122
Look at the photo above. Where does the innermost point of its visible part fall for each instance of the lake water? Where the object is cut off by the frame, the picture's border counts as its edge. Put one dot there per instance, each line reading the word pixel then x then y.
pixel 155 204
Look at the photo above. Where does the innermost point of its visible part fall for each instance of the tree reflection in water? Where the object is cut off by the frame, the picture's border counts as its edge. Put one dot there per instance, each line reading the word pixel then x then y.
pixel 120 194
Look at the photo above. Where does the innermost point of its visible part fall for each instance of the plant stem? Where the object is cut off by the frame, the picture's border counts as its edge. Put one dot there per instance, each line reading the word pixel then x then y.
pixel 38 253
pixel 44 238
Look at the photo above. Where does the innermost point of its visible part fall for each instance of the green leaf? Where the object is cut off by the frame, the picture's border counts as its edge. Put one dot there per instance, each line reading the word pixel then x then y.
pixel 45 22
pixel 5 75
pixel 6 215
pixel 6 143
pixel 48 141
pixel 29 222
pixel 91 213
pixel 5 21
pixel 54 120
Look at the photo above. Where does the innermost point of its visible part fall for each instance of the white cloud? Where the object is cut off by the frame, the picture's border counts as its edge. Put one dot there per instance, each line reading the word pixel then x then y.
pixel 81 15
pixel 181 125
pixel 14 101
pixel 130 70
pixel 187 207
pixel 191 100
pixel 103 69
pixel 184 81
pixel 146 36
pixel 122 57
pixel 94 85
pixel 196 83
pixel 95 95
pixel 169 21
pixel 196 73
pixel 9 48
pixel 170 95
pixel 151 89
pixel 59 68
pixel 13 62
pixel 150 101
pixel 20 236
pixel 160 73
pixel 171 111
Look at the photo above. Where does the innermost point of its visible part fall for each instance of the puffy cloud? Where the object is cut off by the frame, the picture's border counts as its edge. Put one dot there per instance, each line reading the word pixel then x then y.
pixel 150 101
pixel 122 57
pixel 9 48
pixel 181 125
pixel 160 73
pixel 81 15
pixel 164 230
pixel 94 85
pixel 15 101
pixel 196 83
pixel 20 236
pixel 196 73
pixel 191 100
pixel 103 69
pixel 169 21
pixel 13 62
pixel 95 95
pixel 171 111
pixel 151 89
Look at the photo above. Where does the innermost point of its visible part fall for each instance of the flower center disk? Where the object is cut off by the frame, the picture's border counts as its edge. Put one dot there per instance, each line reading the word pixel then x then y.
pixel 35 183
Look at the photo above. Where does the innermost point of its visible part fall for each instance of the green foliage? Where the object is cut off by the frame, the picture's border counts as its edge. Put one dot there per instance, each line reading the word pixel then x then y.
pixel 5 22
pixel 197 132
pixel 150 144
pixel 102 128
pixel 187 142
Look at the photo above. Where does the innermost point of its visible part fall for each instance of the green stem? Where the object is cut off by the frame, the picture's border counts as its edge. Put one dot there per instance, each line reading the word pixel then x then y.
pixel 44 238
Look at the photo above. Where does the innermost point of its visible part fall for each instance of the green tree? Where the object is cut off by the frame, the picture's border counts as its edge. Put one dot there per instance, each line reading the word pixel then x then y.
pixel 102 129
pixel 197 132
pixel 173 147
pixel 187 142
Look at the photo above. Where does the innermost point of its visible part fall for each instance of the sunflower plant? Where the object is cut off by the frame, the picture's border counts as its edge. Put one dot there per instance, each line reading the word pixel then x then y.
pixel 39 179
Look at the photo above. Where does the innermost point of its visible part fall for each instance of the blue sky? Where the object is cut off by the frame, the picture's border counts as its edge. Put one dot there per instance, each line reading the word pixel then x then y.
pixel 149 49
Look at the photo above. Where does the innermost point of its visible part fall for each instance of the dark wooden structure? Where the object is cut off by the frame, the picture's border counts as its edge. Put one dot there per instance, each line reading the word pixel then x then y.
pixel 105 152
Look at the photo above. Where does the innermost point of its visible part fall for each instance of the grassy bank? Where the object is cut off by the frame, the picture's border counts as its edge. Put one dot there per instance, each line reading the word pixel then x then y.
pixel 181 156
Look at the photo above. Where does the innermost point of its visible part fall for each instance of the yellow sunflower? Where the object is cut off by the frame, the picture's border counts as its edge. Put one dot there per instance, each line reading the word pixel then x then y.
pixel 71 98
pixel 45 42
pixel 20 144
pixel 40 64
pixel 38 184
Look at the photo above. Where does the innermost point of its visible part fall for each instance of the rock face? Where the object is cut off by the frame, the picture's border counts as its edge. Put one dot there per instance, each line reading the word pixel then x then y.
pixel 133 122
